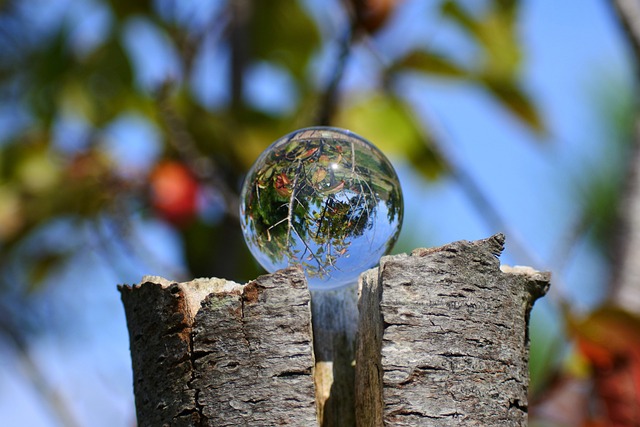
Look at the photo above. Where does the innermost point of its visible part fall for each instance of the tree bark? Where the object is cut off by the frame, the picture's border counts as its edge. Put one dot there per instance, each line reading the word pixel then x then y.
pixel 445 338
pixel 438 338
pixel 215 353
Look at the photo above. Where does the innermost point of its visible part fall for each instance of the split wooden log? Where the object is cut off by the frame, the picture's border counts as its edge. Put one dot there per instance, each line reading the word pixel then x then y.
pixel 441 339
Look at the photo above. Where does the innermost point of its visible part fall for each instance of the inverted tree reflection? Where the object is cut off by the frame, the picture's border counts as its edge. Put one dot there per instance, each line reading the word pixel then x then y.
pixel 311 196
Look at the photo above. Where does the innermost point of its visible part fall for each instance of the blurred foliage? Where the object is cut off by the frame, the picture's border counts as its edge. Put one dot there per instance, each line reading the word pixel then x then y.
pixel 601 190
pixel 609 340
pixel 210 85
pixel 597 383
pixel 204 87
pixel 59 76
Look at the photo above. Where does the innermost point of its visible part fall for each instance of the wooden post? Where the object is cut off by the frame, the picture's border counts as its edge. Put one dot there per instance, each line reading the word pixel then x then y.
pixel 438 338
pixel 445 338
pixel 215 353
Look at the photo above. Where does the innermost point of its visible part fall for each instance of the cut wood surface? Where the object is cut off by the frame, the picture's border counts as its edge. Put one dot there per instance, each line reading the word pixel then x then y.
pixel 437 338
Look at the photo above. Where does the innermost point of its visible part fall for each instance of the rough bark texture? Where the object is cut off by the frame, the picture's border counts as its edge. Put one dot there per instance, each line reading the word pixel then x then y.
pixel 444 338
pixel 441 340
pixel 215 353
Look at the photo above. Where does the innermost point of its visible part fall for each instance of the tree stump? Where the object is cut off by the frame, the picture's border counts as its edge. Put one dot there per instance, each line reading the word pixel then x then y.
pixel 436 338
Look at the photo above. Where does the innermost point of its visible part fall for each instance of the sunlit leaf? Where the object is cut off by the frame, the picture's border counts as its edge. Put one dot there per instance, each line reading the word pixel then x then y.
pixel 609 327
pixel 39 172
pixel 433 64
pixel 11 216
pixel 390 125
pixel 494 31
pixel 451 9
pixel 319 175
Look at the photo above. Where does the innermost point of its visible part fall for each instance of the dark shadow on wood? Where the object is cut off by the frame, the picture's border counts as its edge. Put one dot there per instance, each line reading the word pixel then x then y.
pixel 335 319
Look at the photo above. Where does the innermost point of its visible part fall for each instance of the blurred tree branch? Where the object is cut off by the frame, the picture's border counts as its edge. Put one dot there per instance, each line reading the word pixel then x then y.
pixel 240 15
pixel 625 280
pixel 628 12
pixel 329 99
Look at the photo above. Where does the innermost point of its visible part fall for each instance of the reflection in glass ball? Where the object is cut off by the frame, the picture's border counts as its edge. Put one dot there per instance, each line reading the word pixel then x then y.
pixel 323 198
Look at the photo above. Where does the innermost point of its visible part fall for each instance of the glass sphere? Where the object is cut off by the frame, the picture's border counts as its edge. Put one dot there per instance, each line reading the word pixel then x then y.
pixel 325 199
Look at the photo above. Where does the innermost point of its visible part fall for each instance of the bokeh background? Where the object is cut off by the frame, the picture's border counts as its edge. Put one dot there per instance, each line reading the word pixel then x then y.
pixel 126 129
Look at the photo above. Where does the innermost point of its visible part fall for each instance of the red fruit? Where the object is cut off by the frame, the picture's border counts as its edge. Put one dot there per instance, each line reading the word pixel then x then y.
pixel 174 192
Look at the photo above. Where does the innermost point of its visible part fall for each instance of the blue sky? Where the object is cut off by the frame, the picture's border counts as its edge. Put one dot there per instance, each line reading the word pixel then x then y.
pixel 572 48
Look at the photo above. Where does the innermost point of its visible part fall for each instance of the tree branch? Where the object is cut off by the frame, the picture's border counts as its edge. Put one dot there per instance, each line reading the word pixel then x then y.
pixel 628 12
pixel 240 13
pixel 329 99
pixel 624 286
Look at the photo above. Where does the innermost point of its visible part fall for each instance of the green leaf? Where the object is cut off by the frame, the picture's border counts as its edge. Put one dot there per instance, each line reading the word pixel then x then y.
pixel 495 32
pixel 390 124
pixel 43 265
pixel 508 6
pixel 432 63
pixel 107 78
pixel 517 101
pixel 123 8
pixel 453 11
pixel 48 66
pixel 281 32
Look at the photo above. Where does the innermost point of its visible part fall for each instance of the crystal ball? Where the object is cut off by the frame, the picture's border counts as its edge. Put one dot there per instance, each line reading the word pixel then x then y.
pixel 324 199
